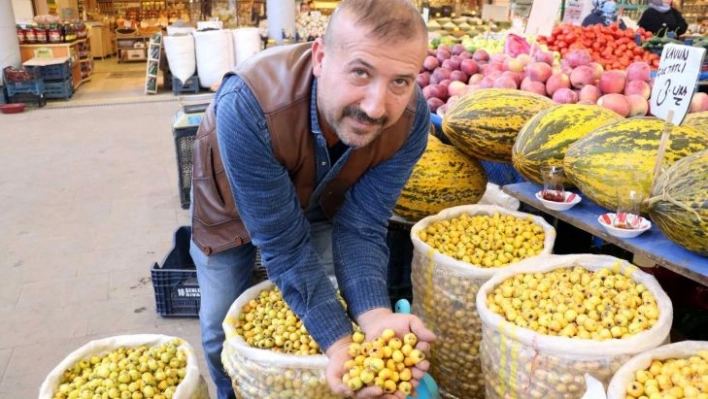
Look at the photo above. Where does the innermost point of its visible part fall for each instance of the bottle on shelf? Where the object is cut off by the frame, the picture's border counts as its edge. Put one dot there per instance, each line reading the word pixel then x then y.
pixel 41 33
pixel 21 34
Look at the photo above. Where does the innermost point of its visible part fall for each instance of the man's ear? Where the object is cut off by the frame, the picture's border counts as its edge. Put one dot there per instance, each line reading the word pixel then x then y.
pixel 318 55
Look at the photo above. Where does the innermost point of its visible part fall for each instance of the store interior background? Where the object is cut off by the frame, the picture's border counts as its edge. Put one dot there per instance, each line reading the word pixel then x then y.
pixel 116 76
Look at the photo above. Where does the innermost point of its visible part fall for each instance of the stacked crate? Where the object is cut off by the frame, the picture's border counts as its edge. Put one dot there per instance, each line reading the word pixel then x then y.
pixel 57 77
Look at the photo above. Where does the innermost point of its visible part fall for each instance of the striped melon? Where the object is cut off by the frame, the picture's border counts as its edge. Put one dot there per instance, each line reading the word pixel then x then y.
pixel 545 138
pixel 698 120
pixel 443 177
pixel 484 124
pixel 679 203
pixel 622 155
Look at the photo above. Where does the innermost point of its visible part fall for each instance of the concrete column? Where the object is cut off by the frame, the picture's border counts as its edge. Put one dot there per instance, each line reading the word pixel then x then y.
pixel 9 46
pixel 281 16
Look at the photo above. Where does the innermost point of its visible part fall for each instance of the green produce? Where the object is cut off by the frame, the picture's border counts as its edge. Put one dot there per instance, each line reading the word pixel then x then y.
pixel 679 203
pixel 545 138
pixel 484 124
pixel 621 155
pixel 443 177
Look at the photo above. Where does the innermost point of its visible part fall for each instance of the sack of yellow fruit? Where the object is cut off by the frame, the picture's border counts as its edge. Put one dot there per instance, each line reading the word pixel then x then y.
pixel 677 370
pixel 262 368
pixel 549 321
pixel 455 252
pixel 140 365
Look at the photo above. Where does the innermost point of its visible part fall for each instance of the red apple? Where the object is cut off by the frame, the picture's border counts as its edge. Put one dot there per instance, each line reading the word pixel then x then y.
pixel 639 70
pixel 469 66
pixel 638 87
pixel 456 88
pixel 638 105
pixel 443 55
pixel 430 63
pixel 459 76
pixel 532 86
pixel 516 76
pixel 505 82
pixel 475 79
pixel 557 81
pixel 615 102
pixel 577 58
pixel 423 79
pixel 434 103
pixel 612 82
pixel 451 64
pixel 582 76
pixel 565 96
pixel 539 71
pixel 481 55
pixel 589 93
pixel 544 56
pixel 597 70
pixel 458 49
pixel 699 102
pixel 513 65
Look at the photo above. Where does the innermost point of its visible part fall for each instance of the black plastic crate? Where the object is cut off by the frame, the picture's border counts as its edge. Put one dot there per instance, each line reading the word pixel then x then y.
pixel 175 281
pixel 2 95
pixel 59 89
pixel 188 87
pixel 53 72
pixel 28 98
pixel 35 87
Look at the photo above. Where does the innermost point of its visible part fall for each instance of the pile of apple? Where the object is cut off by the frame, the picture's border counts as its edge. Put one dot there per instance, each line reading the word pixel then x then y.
pixel 451 72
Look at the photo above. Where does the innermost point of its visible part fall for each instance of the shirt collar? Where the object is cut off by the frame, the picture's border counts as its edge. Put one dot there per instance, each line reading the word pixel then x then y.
pixel 314 119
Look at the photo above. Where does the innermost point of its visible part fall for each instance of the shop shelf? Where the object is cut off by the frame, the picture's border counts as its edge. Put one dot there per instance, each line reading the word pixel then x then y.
pixel 59 89
pixel 53 72
pixel 175 281
pixel 190 86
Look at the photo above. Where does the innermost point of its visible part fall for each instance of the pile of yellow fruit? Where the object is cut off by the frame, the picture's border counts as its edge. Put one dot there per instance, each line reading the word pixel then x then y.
pixel 267 322
pixel 126 373
pixel 672 379
pixel 485 240
pixel 385 362
pixel 576 303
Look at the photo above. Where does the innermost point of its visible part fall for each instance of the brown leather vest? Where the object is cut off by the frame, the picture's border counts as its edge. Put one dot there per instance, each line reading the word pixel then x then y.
pixel 281 80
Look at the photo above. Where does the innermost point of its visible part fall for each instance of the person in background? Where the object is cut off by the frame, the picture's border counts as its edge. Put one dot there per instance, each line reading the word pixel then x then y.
pixel 603 12
pixel 303 154
pixel 660 18
pixel 305 8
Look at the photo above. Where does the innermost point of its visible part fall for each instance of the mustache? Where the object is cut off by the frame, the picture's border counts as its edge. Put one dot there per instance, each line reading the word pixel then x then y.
pixel 357 113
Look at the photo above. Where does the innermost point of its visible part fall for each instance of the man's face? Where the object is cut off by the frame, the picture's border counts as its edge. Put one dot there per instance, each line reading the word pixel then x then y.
pixel 667 2
pixel 364 85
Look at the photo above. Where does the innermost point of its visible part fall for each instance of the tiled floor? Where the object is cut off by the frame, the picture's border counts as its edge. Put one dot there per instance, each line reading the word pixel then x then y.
pixel 88 202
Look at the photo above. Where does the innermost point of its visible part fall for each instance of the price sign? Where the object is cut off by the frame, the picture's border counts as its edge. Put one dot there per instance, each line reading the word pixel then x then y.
pixel 675 81
pixel 542 17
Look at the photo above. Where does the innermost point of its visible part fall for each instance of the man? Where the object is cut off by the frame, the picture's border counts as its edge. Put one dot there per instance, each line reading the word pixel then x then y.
pixel 312 136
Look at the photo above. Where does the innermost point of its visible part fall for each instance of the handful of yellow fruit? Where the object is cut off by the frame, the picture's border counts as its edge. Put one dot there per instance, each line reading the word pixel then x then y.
pixel 386 362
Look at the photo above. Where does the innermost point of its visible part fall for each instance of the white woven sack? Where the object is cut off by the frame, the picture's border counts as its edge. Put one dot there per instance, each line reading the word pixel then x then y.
pixel 520 363
pixel 214 51
pixel 625 374
pixel 181 56
pixel 445 292
pixel 192 386
pixel 264 374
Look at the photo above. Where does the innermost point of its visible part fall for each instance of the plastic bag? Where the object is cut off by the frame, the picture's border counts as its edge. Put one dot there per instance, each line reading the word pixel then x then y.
pixel 445 292
pixel 264 374
pixel 625 374
pixel 520 363
pixel 516 45
pixel 181 56
pixel 495 196
pixel 192 386
pixel 215 56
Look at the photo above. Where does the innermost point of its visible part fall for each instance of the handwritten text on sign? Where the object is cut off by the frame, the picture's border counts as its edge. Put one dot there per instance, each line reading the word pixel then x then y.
pixel 675 81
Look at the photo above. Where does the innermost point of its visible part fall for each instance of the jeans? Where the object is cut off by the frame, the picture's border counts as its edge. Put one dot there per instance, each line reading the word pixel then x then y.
pixel 222 278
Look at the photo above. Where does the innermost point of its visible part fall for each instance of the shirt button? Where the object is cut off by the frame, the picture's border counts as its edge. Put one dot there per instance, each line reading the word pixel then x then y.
pixel 323 163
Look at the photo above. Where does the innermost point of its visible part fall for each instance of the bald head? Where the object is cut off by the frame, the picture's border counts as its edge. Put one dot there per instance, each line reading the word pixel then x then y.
pixel 389 20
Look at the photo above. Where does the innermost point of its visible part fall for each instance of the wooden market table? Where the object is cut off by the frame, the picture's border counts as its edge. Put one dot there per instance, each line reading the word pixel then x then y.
pixel 651 244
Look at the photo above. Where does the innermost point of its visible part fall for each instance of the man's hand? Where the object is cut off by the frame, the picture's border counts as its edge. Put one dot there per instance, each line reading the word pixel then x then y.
pixel 373 322
pixel 337 354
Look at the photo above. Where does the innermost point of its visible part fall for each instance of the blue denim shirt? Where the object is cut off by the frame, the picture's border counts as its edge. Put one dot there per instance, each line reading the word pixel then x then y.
pixel 271 212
